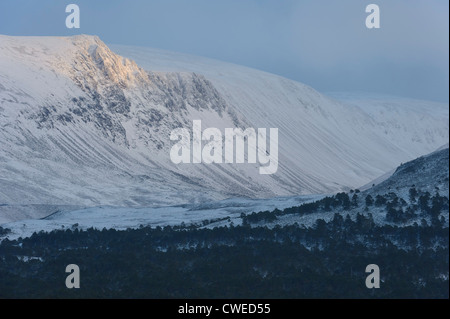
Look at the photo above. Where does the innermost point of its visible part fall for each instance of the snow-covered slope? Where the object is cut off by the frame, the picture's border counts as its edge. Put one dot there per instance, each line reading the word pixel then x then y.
pixel 81 125
pixel 335 142
pixel 429 173
pixel 399 117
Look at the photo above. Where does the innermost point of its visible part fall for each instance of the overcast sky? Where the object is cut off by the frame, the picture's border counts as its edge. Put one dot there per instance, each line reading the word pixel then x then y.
pixel 324 43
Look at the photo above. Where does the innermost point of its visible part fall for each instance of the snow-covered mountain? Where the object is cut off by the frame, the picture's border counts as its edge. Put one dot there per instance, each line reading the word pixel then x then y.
pixel 82 125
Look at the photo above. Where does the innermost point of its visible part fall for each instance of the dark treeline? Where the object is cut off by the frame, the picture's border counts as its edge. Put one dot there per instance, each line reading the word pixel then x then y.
pixel 324 261
pixel 420 205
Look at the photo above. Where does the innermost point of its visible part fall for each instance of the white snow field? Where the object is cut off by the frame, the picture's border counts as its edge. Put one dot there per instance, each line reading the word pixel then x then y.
pixel 428 173
pixel 220 213
pixel 83 126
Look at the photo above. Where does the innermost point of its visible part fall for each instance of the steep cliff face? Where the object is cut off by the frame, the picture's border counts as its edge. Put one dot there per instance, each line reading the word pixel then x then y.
pixel 110 91
pixel 83 125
